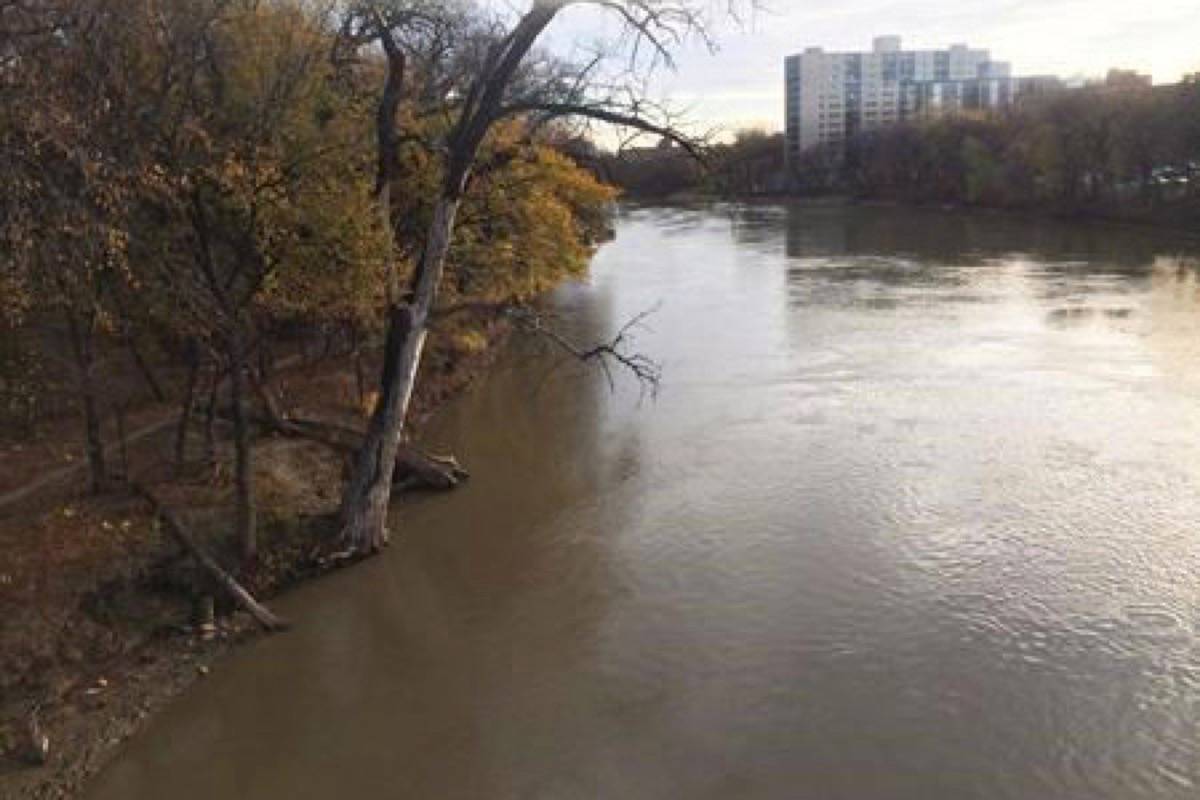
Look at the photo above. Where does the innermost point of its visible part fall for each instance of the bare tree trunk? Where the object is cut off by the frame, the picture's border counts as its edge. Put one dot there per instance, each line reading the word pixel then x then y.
pixel 82 345
pixel 189 404
pixel 368 493
pixel 330 333
pixel 266 359
pixel 243 451
pixel 210 416
pixel 95 444
pixel 271 406
pixel 387 145
pixel 130 339
pixel 144 367
pixel 366 498
pixel 122 440
pixel 365 501
pixel 360 378
pixel 391 277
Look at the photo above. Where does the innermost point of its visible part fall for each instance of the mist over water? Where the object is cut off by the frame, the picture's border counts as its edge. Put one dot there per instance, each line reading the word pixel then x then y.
pixel 915 515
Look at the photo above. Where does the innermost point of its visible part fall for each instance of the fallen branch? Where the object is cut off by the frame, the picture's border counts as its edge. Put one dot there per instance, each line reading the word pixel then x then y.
pixel 414 469
pixel 261 613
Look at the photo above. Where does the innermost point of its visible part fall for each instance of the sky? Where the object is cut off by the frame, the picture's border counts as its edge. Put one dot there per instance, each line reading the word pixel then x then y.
pixel 741 85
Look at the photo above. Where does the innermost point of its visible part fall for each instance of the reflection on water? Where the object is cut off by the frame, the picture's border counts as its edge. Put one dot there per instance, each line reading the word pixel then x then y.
pixel 915 516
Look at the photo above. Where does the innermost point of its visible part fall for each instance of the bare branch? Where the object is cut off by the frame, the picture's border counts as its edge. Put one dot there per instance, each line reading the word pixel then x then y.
pixel 624 119
pixel 614 352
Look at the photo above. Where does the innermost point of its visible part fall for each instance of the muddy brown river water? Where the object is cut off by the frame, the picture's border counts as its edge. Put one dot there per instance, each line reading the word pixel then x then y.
pixel 916 514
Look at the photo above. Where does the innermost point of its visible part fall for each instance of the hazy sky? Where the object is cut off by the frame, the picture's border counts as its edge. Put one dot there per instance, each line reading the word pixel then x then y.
pixel 742 84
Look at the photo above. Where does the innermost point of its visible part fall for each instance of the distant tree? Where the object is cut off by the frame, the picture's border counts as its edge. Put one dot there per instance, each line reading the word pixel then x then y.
pixel 653 173
pixel 1122 147
pixel 750 165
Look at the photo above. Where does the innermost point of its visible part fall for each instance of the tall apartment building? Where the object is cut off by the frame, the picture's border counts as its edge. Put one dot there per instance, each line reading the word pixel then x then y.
pixel 832 96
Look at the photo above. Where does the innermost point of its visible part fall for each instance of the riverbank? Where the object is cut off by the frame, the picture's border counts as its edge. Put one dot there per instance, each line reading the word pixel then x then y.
pixel 99 628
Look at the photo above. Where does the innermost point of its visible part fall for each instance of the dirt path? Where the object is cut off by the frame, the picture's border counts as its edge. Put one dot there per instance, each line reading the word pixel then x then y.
pixel 55 476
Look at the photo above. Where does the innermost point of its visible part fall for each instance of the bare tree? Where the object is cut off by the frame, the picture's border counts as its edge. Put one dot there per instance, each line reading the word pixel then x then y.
pixel 509 80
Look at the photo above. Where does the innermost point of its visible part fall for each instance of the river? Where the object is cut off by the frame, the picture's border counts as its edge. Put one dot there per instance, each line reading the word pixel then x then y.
pixel 914 515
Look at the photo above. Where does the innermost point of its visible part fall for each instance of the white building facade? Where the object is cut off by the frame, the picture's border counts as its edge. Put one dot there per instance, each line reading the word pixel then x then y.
pixel 833 96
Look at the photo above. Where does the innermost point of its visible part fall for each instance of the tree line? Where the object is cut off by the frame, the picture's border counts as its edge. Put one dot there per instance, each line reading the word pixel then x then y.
pixel 196 178
pixel 1115 150
pixel 1125 151
pixel 750 164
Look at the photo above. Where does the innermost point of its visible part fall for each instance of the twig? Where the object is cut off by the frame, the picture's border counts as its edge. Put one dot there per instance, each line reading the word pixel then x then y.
pixel 647 371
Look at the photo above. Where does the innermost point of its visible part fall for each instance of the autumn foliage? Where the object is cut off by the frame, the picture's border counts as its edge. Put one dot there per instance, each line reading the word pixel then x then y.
pixel 188 180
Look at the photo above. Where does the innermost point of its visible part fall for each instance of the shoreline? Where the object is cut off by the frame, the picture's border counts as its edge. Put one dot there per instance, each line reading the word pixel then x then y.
pixel 1181 228
pixel 92 707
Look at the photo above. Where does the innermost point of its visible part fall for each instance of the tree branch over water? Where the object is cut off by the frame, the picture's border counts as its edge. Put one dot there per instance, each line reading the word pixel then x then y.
pixel 614 352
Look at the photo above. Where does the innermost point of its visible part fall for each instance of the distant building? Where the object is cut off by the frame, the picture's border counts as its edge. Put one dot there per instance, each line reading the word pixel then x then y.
pixel 833 96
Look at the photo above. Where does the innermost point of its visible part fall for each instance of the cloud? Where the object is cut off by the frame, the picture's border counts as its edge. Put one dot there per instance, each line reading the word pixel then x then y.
pixel 743 81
